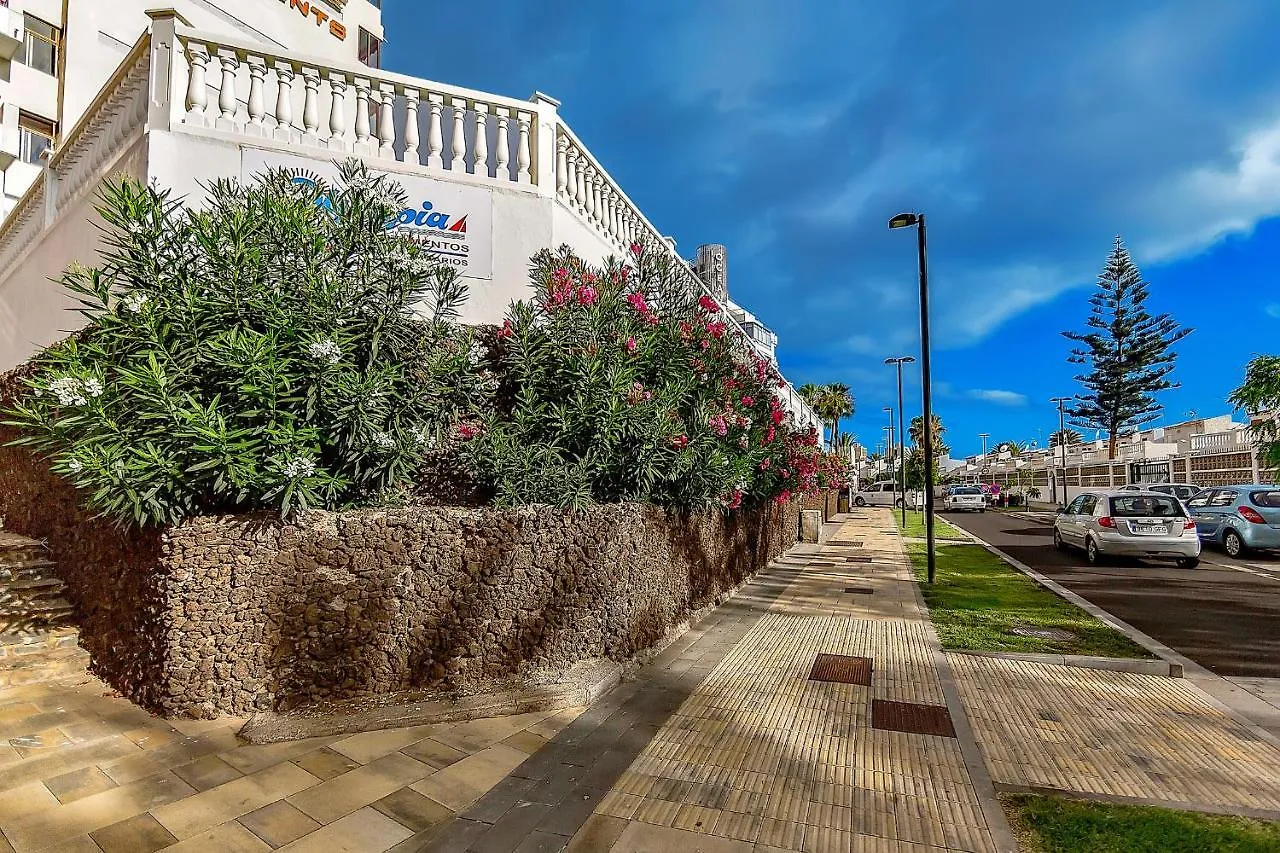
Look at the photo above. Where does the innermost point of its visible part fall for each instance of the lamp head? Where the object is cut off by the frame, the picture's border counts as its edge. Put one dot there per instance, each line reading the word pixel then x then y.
pixel 904 220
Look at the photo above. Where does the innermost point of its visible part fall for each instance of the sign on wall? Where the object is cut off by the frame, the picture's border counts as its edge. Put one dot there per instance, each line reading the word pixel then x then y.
pixel 452 221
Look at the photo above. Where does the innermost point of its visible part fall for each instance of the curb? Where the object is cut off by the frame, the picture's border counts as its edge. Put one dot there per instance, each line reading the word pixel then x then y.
pixel 1134 666
pixel 1260 718
pixel 1173 805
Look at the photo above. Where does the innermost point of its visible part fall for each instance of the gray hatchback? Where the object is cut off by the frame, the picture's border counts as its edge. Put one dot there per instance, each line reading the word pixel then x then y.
pixel 1128 524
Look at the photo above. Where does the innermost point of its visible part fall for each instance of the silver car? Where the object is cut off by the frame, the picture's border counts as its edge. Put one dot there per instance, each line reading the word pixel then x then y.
pixel 1181 491
pixel 1128 524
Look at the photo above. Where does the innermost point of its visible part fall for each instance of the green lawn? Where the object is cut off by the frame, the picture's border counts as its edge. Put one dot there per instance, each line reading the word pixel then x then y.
pixel 977 599
pixel 1059 825
pixel 915 526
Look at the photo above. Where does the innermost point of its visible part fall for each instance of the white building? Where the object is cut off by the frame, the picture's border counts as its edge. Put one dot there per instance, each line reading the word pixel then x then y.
pixel 43 95
pixel 198 96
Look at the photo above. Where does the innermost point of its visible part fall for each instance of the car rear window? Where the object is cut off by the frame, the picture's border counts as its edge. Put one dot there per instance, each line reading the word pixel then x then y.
pixel 967 491
pixel 1142 505
pixel 1269 498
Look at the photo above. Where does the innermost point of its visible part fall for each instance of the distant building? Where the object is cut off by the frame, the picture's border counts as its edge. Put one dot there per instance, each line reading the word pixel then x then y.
pixel 712 266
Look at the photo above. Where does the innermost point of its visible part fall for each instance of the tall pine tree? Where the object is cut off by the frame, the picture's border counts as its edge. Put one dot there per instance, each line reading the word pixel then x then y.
pixel 1129 353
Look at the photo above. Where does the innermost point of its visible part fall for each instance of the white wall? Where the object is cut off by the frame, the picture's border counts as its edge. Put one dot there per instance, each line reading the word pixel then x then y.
pixel 34 310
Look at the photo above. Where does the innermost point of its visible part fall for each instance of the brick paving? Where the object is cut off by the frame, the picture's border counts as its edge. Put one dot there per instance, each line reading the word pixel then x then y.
pixel 1142 737
pixel 724 745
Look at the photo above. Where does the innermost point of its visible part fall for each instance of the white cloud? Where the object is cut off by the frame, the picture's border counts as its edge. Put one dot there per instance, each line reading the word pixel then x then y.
pixel 999 397
pixel 1273 309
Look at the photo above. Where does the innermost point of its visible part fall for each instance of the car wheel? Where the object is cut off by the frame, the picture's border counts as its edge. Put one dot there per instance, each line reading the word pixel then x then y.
pixel 1091 552
pixel 983 509
pixel 1233 544
pixel 859 501
pixel 1057 540
pixel 1188 562
pixel 899 503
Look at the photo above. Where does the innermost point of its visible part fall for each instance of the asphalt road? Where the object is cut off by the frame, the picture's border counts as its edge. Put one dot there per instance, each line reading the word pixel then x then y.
pixel 1224 615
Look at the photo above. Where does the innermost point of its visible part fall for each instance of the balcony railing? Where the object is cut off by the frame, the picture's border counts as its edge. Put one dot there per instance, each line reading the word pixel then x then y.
pixel 236 89
pixel 1218 442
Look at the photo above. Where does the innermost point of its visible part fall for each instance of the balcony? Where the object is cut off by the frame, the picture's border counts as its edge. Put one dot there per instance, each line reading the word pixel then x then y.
pixel 1232 441
pixel 10 32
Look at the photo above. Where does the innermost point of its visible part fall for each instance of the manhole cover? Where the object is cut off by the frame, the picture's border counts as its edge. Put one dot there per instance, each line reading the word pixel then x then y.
pixel 842 669
pixel 858 590
pixel 857 559
pixel 911 718
pixel 1045 633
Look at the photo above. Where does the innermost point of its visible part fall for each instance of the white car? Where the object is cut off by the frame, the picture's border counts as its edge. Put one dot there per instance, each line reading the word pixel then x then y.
pixel 886 493
pixel 964 499
pixel 1181 491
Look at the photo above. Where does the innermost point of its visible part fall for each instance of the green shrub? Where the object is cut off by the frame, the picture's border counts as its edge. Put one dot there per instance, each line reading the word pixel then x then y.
pixel 624 384
pixel 267 350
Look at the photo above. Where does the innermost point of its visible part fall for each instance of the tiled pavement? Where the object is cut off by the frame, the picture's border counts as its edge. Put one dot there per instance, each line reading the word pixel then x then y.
pixel 724 745
pixel 1117 734
pixel 82 771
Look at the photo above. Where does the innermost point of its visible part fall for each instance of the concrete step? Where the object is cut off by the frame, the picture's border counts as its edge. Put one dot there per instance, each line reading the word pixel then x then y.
pixel 41 656
pixel 31 593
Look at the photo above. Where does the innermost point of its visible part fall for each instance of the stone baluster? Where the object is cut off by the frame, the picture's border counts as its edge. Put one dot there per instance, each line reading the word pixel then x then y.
pixel 606 209
pixel 257 107
pixel 524 160
pixel 502 146
pixel 197 84
pixel 227 93
pixel 459 142
pixel 387 122
pixel 363 131
pixel 597 195
pixel 284 101
pixel 580 171
pixel 435 136
pixel 480 148
pixel 616 221
pixel 337 111
pixel 593 197
pixel 411 132
pixel 311 107
pixel 562 169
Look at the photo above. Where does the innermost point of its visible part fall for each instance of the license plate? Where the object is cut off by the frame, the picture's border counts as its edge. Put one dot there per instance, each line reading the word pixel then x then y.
pixel 1149 528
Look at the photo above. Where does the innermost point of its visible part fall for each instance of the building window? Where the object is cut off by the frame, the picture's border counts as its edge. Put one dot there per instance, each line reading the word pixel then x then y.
pixel 370 49
pixel 35 136
pixel 40 45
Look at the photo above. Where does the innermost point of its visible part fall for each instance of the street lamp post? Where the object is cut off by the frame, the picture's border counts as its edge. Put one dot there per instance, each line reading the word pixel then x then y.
pixel 984 436
pixel 902 449
pixel 1062 444
pixel 906 220
pixel 893 472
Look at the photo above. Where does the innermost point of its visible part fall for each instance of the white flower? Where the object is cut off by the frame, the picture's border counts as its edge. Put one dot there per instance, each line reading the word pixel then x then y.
pixel 93 387
pixel 384 440
pixel 298 468
pixel 423 439
pixel 134 302
pixel 477 352
pixel 74 466
pixel 326 350
pixel 68 391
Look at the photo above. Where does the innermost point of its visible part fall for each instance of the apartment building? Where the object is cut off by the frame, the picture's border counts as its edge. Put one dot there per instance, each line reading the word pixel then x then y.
pixel 56 55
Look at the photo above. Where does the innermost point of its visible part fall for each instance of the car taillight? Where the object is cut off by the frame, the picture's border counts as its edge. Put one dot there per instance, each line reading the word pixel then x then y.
pixel 1251 516
pixel 1189 524
pixel 1107 521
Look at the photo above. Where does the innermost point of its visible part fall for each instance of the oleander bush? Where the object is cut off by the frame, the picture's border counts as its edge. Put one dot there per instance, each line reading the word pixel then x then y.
pixel 626 383
pixel 277 347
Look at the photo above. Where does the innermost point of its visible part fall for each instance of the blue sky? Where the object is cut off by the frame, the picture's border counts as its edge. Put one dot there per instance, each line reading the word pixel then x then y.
pixel 1030 133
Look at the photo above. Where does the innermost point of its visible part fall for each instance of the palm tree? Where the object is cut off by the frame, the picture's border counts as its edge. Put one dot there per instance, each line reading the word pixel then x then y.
pixel 1065 436
pixel 916 431
pixel 831 403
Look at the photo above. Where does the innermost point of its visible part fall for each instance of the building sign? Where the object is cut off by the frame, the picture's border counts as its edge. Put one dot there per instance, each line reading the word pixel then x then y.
pixel 309 10
pixel 451 221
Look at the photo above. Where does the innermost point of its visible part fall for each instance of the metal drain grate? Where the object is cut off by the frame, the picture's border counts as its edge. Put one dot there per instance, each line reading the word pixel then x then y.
pixel 824 565
pixel 858 559
pixel 844 544
pixel 841 669
pixel 859 590
pixel 911 718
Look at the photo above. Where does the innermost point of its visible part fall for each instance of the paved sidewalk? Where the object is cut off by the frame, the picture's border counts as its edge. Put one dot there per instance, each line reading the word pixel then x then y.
pixel 725 745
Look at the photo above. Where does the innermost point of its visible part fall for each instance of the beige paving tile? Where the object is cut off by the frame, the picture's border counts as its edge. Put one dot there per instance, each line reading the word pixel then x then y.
pixel 461 784
pixel 434 753
pixel 225 838
pixel 324 763
pixel 139 834
pixel 205 773
pixel 250 758
pixel 367 746
pixel 647 838
pixel 279 823
pixel 95 811
pixel 599 833
pixel 364 831
pixel 526 741
pixel 64 760
pixel 76 844
pixel 557 722
pixel 344 794
pixel 25 800
pixel 233 799
pixel 413 810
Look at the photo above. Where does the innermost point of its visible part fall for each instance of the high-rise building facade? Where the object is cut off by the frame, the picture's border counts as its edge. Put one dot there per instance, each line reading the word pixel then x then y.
pixel 56 55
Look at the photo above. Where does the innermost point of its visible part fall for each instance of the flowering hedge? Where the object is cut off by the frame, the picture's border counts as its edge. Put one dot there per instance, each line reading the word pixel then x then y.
pixel 264 351
pixel 626 384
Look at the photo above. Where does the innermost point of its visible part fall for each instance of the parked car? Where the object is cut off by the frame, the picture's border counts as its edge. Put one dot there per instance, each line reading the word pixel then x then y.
pixel 1128 524
pixel 886 493
pixel 964 499
pixel 1238 518
pixel 1181 491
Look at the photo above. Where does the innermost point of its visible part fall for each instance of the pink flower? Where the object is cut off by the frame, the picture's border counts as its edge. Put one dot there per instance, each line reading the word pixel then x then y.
pixel 764 464
pixel 680 441
pixel 744 442
pixel 590 278
pixel 733 500
pixel 506 331
pixel 716 328
pixel 631 344
pixel 748 401
pixel 708 304
pixel 770 435
pixel 784 496
pixel 637 249
pixel 648 395
pixel 466 432
pixel 706 344
pixel 561 274
pixel 636 300
pixel 587 295
pixel 777 416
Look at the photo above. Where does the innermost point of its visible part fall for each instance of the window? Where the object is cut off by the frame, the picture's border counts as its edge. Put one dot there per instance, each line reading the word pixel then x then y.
pixel 370 49
pixel 40 45
pixel 1145 505
pixel 967 490
pixel 1270 499
pixel 1076 506
pixel 1222 497
pixel 35 136
pixel 1200 500
pixel 1088 505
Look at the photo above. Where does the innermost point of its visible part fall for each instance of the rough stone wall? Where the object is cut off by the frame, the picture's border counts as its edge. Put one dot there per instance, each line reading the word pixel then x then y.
pixel 260 614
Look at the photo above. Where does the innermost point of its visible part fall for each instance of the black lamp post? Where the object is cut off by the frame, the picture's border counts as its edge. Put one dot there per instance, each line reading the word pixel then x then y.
pixel 906 220
pixel 893 473
pixel 1062 443
pixel 902 449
